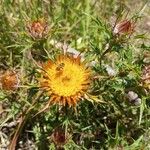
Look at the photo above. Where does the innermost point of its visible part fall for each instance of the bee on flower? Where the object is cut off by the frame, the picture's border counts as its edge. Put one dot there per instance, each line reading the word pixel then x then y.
pixel 9 80
pixel 38 29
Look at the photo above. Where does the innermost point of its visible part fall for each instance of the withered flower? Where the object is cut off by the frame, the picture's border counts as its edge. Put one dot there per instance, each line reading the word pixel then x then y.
pixel 9 80
pixel 146 57
pixel 124 27
pixel 60 137
pixel 38 29
pixel 146 77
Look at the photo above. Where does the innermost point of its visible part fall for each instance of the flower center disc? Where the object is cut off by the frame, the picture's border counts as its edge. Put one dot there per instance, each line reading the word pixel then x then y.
pixel 66 78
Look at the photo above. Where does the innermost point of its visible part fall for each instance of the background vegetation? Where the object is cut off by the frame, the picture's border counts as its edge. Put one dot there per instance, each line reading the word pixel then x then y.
pixel 110 119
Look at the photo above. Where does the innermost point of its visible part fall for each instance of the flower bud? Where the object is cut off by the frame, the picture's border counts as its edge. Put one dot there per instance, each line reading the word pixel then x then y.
pixel 146 77
pixel 59 137
pixel 9 80
pixel 124 27
pixel 38 29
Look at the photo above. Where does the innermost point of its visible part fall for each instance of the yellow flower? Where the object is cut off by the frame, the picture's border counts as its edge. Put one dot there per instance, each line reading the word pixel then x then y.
pixel 66 80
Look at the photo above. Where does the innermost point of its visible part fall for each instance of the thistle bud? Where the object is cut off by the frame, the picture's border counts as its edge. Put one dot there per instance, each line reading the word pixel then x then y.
pixel 59 137
pixel 124 27
pixel 38 29
pixel 9 80
pixel 146 76
pixel 146 58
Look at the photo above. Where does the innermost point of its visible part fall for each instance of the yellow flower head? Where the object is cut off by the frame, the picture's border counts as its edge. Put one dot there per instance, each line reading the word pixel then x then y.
pixel 66 80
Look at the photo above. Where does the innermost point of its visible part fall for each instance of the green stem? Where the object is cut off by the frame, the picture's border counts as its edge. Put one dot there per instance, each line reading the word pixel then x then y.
pixel 25 116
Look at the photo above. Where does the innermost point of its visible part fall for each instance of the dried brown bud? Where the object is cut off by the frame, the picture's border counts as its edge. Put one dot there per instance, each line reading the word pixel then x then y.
pixel 146 57
pixel 124 27
pixel 38 29
pixel 9 80
pixel 146 76
pixel 59 137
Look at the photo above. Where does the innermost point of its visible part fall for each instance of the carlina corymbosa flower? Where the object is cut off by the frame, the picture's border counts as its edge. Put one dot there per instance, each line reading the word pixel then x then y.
pixel 9 80
pixel 124 27
pixel 38 29
pixel 66 79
